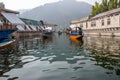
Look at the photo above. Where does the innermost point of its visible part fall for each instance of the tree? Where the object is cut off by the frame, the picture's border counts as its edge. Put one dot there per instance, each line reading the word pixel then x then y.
pixel 93 11
pixel 112 4
pixel 118 3
pixel 105 6
pixel 97 8
pixel 115 4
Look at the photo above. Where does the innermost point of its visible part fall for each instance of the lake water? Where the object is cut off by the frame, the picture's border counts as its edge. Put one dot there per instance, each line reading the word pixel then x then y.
pixel 59 58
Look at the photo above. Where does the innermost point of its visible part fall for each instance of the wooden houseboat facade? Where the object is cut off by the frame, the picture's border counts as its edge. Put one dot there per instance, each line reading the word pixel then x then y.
pixel 32 28
pixel 106 23
pixel 8 23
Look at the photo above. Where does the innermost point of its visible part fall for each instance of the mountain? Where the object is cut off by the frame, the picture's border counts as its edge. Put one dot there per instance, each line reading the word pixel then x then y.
pixel 60 13
pixel 23 10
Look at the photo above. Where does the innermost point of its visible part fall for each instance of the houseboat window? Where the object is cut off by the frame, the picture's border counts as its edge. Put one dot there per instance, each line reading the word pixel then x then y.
pixel 93 24
pixel 116 28
pixel 108 21
pixel 81 25
pixel 102 22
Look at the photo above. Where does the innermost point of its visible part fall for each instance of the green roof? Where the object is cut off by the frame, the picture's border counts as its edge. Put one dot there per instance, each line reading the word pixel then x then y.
pixel 29 21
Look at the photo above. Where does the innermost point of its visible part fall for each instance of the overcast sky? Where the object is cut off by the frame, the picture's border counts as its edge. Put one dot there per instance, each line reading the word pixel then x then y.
pixel 29 4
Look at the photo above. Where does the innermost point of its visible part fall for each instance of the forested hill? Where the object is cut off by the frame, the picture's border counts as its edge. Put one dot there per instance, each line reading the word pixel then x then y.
pixel 60 13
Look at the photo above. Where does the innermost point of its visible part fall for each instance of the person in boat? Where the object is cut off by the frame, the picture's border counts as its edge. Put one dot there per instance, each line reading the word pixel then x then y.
pixel 69 30
pixel 80 31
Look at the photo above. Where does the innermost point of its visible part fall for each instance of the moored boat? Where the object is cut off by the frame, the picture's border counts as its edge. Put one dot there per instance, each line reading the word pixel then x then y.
pixel 6 33
pixel 47 29
pixel 8 23
pixel 75 35
pixel 47 32
pixel 6 43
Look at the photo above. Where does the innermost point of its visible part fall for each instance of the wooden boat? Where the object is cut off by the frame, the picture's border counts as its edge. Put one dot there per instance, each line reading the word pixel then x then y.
pixel 75 35
pixel 6 43
pixel 47 33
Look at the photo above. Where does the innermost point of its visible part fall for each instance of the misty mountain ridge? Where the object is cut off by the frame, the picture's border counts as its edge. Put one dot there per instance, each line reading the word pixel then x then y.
pixel 23 10
pixel 60 13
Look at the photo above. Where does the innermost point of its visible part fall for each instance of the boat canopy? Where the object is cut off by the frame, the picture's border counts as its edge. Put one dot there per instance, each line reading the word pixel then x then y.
pixel 48 28
pixel 12 18
pixel 72 26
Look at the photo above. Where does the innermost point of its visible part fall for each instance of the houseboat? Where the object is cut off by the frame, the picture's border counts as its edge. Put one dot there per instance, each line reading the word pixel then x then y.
pixel 105 24
pixel 8 23
pixel 31 28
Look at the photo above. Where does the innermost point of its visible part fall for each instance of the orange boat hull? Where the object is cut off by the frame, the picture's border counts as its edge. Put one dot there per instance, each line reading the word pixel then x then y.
pixel 75 37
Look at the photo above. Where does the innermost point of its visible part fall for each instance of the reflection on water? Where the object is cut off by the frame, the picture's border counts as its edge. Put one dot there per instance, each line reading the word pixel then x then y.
pixel 77 42
pixel 104 46
pixel 59 58
pixel 106 52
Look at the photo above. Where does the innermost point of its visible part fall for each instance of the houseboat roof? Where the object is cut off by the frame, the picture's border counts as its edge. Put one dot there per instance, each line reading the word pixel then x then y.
pixel 107 13
pixel 12 18
pixel 29 21
pixel 20 28
pixel 7 10
pixel 9 15
pixel 80 20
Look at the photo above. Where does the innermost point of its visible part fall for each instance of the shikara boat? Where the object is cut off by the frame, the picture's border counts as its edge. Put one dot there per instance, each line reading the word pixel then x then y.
pixel 47 33
pixel 75 35
pixel 6 43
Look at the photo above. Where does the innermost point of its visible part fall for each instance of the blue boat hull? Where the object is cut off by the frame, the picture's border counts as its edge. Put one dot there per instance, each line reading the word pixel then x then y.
pixel 6 43
pixel 47 33
pixel 6 33
pixel 75 35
